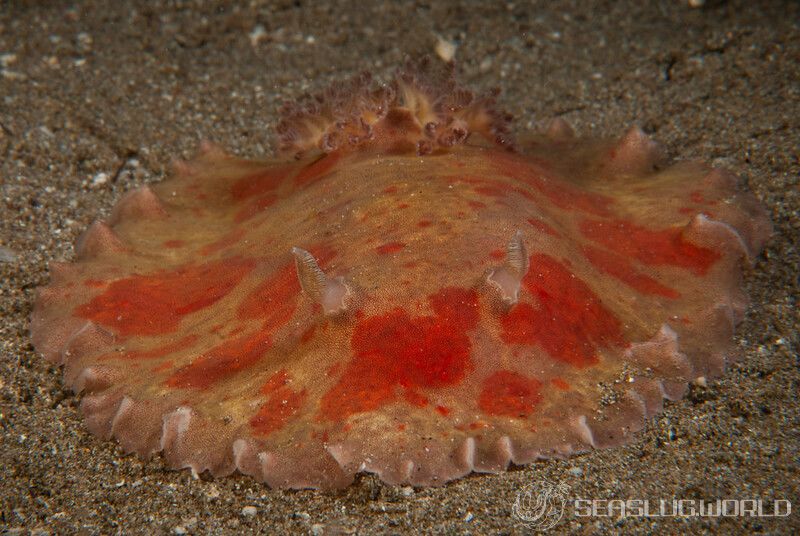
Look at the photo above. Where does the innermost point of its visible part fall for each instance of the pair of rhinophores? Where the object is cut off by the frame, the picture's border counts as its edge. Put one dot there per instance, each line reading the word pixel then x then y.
pixel 406 291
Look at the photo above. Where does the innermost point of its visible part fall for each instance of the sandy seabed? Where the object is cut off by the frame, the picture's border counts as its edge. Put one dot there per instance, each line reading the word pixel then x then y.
pixel 96 97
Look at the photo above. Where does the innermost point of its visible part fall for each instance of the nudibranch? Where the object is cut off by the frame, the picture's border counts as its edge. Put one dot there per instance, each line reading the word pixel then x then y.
pixel 406 291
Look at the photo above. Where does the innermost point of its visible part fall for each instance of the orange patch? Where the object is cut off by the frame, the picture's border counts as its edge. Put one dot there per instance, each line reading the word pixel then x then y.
pixel 222 362
pixel 622 269
pixel 155 304
pixel 659 247
pixel 282 405
pixel 509 394
pixel 317 169
pixel 560 384
pixel 569 321
pixel 394 350
pixel 390 247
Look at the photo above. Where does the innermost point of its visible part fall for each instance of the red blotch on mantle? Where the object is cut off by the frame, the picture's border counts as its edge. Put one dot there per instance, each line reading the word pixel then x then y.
pixel 622 269
pixel 282 405
pixel 395 351
pixel 222 362
pixel 651 247
pixel 390 247
pixel 568 321
pixel 510 394
pixel 155 304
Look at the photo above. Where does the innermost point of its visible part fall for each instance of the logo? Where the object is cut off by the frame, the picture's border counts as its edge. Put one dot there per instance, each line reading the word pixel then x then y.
pixel 541 504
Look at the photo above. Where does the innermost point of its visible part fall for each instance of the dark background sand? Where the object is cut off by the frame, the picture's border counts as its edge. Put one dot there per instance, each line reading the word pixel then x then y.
pixel 118 88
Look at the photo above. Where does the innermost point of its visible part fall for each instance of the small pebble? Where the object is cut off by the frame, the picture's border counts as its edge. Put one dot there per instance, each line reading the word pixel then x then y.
pixel 445 49
pixel 7 59
pixel 258 34
pixel 249 511
pixel 84 41
pixel 13 75
pixel 100 178
pixel 317 529
pixel 577 471
pixel 212 492
pixel 700 381
pixel 6 255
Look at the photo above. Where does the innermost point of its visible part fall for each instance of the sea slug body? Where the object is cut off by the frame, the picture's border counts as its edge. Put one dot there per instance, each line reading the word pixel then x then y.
pixel 406 290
